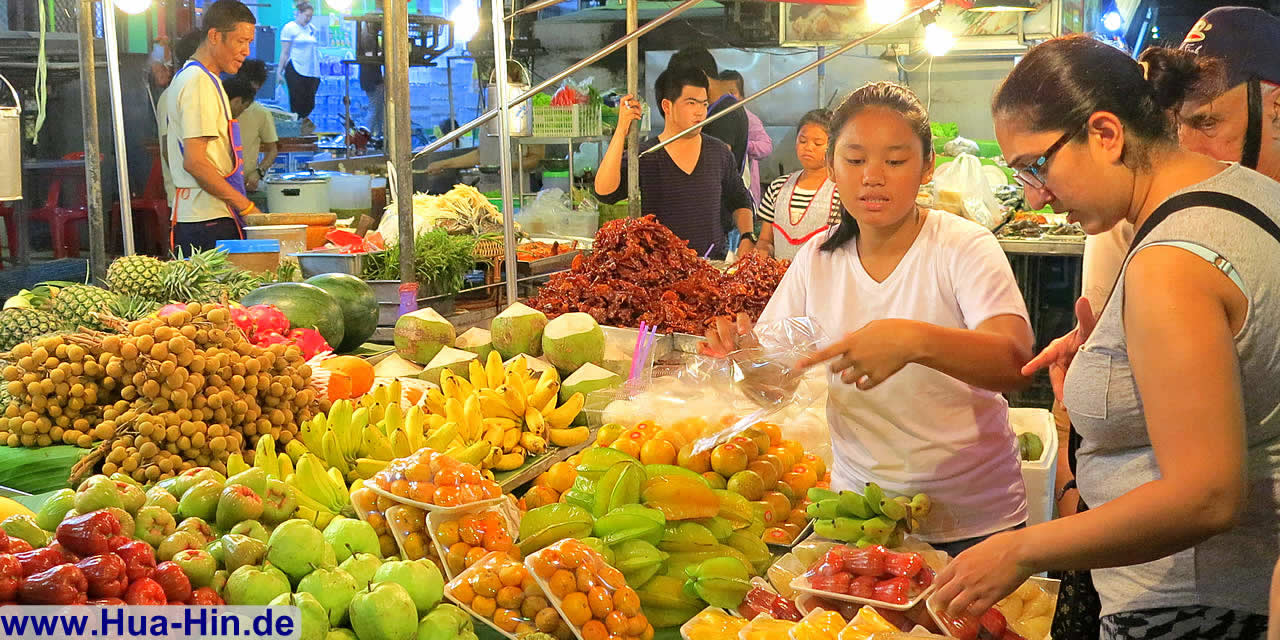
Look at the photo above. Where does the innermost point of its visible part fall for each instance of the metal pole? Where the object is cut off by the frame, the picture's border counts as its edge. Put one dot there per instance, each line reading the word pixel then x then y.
pixel 822 79
pixel 537 6
pixel 793 75
pixel 504 144
pixel 633 136
pixel 572 69
pixel 346 105
pixel 448 79
pixel 97 245
pixel 399 144
pixel 92 147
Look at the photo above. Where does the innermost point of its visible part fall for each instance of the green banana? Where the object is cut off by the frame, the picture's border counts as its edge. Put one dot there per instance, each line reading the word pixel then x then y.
pixel 264 456
pixel 854 505
pixel 827 509
pixel 295 449
pixel 285 465
pixel 818 494
pixel 360 418
pixel 873 495
pixel 842 529
pixel 892 509
pixel 375 444
pixel 878 527
pixel 921 505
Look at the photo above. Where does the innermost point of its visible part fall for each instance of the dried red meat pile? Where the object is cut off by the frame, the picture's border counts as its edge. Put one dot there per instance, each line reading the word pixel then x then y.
pixel 640 271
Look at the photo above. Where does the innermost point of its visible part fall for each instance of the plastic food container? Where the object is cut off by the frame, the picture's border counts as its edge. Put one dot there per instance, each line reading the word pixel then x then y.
pixel 590 595
pixel 819 624
pixel 292 237
pixel 370 507
pixel 782 572
pixel 1038 475
pixel 711 623
pixel 462 538
pixel 254 256
pixel 502 594
pixel 763 627
pixel 1028 611
pixel 408 526
pixel 837 562
pixel 434 482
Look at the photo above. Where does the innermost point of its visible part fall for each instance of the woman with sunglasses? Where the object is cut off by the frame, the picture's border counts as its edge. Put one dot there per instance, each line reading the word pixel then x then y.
pixel 1176 392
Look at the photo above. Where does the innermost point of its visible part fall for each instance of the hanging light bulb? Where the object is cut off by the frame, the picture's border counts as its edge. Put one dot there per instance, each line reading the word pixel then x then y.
pixel 132 7
pixel 466 21
pixel 937 40
pixel 885 11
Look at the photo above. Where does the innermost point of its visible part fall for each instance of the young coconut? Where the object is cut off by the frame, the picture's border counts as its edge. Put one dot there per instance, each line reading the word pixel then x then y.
pixel 587 380
pixel 572 340
pixel 518 330
pixel 420 335
pixel 477 341
pixel 393 366
pixel 455 360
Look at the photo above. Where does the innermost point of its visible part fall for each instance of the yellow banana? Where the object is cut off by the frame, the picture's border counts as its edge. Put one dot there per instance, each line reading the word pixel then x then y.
pixel 311 431
pixel 434 400
pixel 474 453
pixel 340 486
pixel 392 418
pixel 449 386
pixel 474 426
pixel 549 406
pixel 494 372
pixel 479 379
pixel 295 449
pixel 375 444
pixel 509 462
pixel 415 423
pixel 400 446
pixel 493 435
pixel 435 420
pixel 264 455
pixel 510 439
pixel 545 390
pixel 513 393
pixel 505 423
pixel 333 455
pixel 367 467
pixel 351 440
pixel 453 411
pixel 311 479
pixel 236 464
pixel 534 422
pixel 568 437
pixel 494 405
pixel 495 454
pixel 519 366
pixel 440 439
pixel 465 388
pixel 308 501
pixel 285 464
pixel 532 443
pixel 323 518
pixel 561 417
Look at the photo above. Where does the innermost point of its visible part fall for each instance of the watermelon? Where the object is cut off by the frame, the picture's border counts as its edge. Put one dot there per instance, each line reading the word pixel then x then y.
pixel 359 307
pixel 306 305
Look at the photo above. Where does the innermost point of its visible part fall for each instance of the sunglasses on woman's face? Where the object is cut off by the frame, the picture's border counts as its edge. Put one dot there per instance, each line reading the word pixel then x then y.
pixel 1035 174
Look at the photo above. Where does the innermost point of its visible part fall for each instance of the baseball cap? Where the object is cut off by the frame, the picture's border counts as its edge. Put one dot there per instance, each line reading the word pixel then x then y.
pixel 1245 39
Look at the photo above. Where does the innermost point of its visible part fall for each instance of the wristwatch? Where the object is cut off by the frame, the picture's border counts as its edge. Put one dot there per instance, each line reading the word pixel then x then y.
pixel 1070 484
pixel 750 235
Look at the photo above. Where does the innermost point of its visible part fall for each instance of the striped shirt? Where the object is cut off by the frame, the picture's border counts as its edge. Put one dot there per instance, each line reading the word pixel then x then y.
pixel 800 199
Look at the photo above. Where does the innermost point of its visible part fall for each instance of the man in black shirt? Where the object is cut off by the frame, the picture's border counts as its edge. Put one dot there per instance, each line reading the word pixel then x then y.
pixel 731 129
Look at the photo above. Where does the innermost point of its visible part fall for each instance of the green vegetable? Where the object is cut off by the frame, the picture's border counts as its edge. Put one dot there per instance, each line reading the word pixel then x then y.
pixel 542 100
pixel 440 262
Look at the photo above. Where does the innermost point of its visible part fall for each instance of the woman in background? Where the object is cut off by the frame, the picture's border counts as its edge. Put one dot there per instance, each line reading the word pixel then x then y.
pixel 803 204
pixel 300 64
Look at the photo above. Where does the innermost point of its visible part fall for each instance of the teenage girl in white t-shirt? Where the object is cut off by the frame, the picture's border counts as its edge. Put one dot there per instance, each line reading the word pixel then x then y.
pixel 932 326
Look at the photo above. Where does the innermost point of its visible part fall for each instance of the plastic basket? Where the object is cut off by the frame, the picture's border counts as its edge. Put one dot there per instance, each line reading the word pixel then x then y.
pixel 567 122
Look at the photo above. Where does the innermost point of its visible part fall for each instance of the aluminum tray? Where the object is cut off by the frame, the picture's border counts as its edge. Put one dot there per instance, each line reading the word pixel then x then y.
pixel 558 262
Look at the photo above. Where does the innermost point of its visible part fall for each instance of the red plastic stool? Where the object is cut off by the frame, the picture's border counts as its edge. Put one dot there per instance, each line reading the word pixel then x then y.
pixel 11 231
pixel 150 215
pixel 62 220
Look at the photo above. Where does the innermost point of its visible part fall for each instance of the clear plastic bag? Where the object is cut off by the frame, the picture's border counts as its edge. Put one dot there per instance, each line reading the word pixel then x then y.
pixel 962 188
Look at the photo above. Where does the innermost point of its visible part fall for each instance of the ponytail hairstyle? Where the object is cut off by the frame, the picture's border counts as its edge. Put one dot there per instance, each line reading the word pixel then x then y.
pixel 887 95
pixel 1059 84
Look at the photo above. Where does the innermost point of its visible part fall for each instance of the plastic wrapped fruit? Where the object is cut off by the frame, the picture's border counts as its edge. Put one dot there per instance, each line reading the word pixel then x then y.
pixel 501 592
pixel 409 526
pixel 592 595
pixel 431 480
pixel 866 622
pixel 371 508
pixel 872 575
pixel 760 600
pixel 765 628
pixel 464 538
pixel 712 623
pixel 818 625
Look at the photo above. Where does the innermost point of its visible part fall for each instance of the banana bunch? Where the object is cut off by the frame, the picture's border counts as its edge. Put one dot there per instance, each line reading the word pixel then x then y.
pixel 322 492
pixel 276 465
pixel 514 414
pixel 866 518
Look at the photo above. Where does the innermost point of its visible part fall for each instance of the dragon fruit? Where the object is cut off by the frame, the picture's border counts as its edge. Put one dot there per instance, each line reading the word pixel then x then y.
pixel 242 319
pixel 309 341
pixel 268 319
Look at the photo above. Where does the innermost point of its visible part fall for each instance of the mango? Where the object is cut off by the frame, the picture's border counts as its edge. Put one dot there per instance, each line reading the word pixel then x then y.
pixel 680 497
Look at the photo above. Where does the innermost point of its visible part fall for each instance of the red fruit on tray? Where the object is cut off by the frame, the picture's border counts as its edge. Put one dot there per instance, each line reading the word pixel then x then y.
pixel 18 545
pixel 963 628
pixel 87 533
pixel 924 579
pixel 63 584
pixel 893 590
pixel 866 562
pixel 4 542
pixel 10 577
pixel 903 564
pixel 862 587
pixel 993 622
pixel 240 316
pixel 309 341
pixel 175 583
pixel 145 591
pixel 39 560
pixel 139 559
pixel 106 574
pixel 68 556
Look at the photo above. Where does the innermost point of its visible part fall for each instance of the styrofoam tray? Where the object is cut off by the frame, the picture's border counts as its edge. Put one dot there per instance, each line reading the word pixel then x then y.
pixel 684 633
pixel 462 508
pixel 436 518
pixel 801 584
pixel 448 593
pixel 1050 585
pixel 800 537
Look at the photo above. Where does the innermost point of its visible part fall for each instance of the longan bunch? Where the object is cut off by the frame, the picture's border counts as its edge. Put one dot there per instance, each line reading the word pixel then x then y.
pixel 169 393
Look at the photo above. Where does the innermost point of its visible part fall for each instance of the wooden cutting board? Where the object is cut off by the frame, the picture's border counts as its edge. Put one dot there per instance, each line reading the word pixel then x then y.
pixel 310 219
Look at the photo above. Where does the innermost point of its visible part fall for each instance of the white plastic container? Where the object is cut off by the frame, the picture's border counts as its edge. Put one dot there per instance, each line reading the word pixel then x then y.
pixel 292 237
pixel 1038 475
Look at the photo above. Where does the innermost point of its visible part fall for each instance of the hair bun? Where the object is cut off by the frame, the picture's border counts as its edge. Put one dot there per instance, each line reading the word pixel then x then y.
pixel 1176 76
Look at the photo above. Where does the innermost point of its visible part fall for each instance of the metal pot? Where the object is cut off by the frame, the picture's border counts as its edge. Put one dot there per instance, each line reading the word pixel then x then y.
pixel 519 117
pixel 302 192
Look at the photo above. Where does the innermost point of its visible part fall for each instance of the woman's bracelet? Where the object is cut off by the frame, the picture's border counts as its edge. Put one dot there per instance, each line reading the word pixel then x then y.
pixel 1071 484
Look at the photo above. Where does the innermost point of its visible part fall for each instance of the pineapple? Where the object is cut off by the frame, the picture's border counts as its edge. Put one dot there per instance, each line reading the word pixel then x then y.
pixel 132 308
pixel 75 305
pixel 22 325
pixel 136 276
